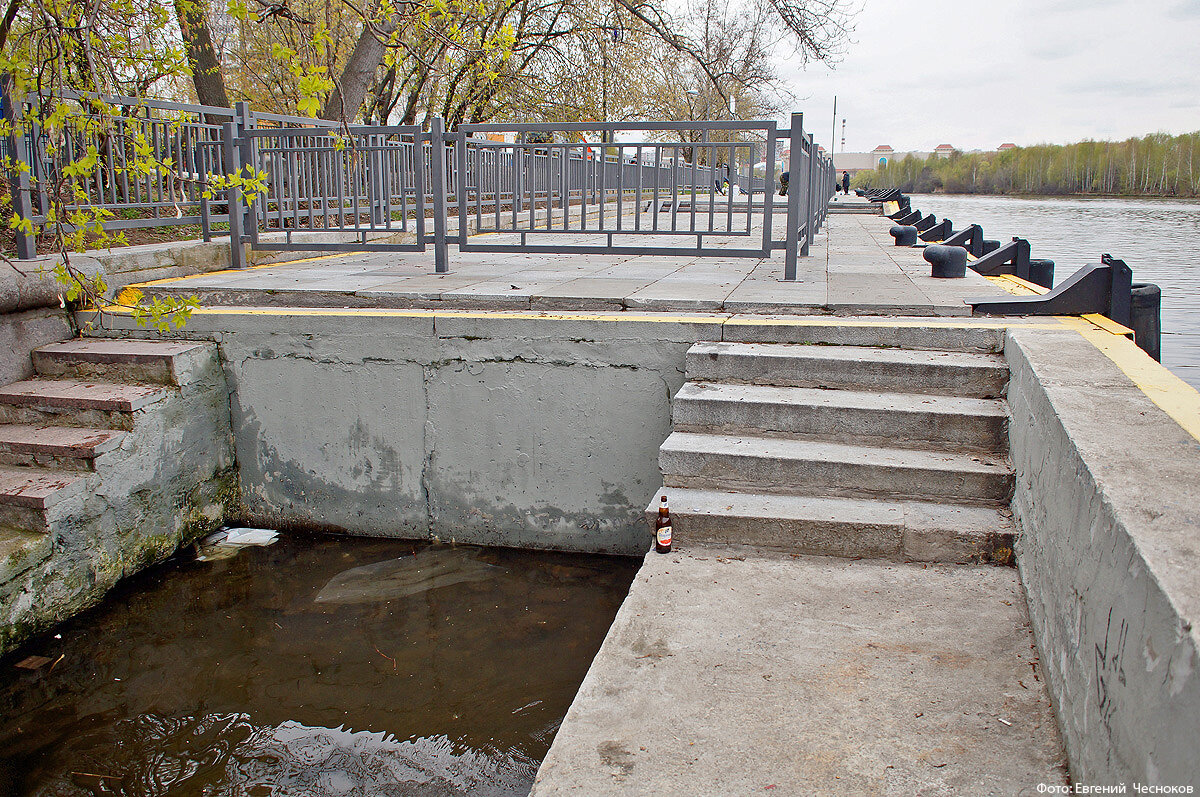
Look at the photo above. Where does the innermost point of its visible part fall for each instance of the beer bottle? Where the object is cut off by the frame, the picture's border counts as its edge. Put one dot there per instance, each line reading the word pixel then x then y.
pixel 662 528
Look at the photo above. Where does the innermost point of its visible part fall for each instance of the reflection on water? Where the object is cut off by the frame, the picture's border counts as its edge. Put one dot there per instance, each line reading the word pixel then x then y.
pixel 449 676
pixel 1159 239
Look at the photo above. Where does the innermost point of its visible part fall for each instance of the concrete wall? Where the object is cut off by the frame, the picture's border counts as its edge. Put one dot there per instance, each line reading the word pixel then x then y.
pixel 525 430
pixel 30 316
pixel 1108 499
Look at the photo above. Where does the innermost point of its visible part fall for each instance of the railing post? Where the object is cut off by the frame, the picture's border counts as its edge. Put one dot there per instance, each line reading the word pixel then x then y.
pixel 22 197
pixel 809 186
pixel 437 139
pixel 233 195
pixel 248 210
pixel 796 153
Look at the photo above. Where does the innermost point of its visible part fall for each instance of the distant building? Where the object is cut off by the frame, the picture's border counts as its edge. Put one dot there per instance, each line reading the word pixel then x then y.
pixel 855 162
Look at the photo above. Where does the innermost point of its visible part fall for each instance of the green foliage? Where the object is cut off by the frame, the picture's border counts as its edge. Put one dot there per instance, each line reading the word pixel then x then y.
pixel 1154 165
pixel 114 47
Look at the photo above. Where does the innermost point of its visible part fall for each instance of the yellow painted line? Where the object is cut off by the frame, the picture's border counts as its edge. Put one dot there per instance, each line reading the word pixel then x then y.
pixel 1015 285
pixel 448 313
pixel 1108 325
pixel 304 260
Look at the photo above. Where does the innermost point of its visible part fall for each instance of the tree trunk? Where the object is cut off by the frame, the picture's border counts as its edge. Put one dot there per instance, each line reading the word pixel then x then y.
pixel 206 69
pixel 350 90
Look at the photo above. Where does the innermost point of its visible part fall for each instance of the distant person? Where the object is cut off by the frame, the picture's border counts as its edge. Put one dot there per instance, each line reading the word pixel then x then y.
pixel 783 184
pixel 846 183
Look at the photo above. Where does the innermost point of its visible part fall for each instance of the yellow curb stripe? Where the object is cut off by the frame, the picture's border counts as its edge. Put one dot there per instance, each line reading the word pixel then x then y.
pixel 1171 394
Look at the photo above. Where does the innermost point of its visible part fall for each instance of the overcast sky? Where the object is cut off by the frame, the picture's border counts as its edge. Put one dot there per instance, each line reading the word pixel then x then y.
pixel 977 74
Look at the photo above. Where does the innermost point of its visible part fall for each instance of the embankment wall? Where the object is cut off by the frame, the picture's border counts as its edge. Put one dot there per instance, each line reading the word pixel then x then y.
pixel 525 430
pixel 1108 501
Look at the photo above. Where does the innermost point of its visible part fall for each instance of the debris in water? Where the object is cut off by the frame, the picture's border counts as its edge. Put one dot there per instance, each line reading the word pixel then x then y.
pixel 527 705
pixel 226 543
pixel 33 662
pixel 408 575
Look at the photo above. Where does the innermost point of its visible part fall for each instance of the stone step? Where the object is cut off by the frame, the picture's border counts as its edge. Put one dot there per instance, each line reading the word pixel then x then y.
pixel 814 467
pixel 967 374
pixel 70 402
pixel 914 531
pixel 896 419
pixel 122 360
pixel 55 446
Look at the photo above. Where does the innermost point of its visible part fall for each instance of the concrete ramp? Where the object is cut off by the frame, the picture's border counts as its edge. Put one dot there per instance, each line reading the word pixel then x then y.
pixel 730 672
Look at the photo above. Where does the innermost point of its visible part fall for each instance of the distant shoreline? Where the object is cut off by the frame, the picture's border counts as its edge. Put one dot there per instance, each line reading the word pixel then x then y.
pixel 1014 195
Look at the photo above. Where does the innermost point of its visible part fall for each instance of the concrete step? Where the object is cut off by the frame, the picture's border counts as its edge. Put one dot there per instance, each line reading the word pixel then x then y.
pixel 802 467
pixel 71 402
pixel 37 488
pixel 967 374
pixel 123 360
pixel 903 333
pixel 897 419
pixel 55 446
pixel 914 531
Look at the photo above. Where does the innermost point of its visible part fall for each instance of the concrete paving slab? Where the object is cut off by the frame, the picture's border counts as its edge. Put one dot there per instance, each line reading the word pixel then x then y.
pixel 729 672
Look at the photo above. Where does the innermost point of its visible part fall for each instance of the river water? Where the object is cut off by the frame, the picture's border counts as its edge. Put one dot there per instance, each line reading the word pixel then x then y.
pixel 1158 238
pixel 318 667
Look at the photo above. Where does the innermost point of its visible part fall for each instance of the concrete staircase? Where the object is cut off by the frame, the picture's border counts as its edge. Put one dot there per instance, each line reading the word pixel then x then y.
pixel 845 450
pixel 107 457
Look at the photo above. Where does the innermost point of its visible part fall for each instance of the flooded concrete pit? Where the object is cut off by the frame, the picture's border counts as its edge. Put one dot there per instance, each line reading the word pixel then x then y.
pixel 315 666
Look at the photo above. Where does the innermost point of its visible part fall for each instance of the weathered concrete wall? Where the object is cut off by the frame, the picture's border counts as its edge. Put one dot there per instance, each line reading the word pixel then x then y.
pixel 1108 499
pixel 521 429
pixel 171 480
pixel 31 315
pixel 23 331
pixel 528 432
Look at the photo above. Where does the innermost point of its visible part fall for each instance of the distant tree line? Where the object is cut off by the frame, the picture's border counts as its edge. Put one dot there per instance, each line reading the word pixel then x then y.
pixel 1154 165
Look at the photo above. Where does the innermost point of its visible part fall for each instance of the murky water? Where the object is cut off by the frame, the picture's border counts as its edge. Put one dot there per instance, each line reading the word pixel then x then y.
pixel 443 673
pixel 1159 239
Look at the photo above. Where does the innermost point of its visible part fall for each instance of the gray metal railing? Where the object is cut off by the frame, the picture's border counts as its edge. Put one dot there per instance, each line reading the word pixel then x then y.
pixel 624 189
pixel 672 188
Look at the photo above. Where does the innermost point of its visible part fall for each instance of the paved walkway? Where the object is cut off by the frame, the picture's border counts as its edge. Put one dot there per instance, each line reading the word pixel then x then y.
pixel 852 269
pixel 727 672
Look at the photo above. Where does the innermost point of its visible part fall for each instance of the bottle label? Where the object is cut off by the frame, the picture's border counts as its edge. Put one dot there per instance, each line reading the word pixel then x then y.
pixel 663 535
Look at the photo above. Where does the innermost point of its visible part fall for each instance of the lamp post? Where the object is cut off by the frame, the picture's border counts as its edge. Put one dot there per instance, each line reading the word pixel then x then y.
pixel 613 31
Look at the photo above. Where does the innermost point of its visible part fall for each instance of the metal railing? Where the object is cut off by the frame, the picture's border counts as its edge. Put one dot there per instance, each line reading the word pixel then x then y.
pixel 625 189
pixel 691 188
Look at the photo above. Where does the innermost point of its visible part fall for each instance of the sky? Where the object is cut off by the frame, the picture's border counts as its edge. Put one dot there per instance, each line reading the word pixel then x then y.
pixel 977 74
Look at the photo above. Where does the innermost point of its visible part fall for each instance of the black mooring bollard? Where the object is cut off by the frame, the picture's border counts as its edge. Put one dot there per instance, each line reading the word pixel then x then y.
pixel 1145 303
pixel 1041 272
pixel 949 262
pixel 990 246
pixel 904 234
